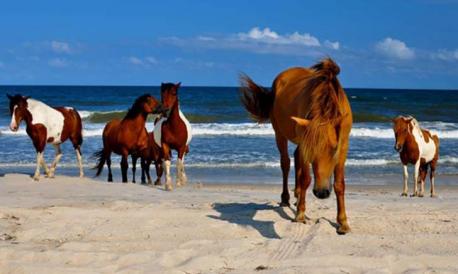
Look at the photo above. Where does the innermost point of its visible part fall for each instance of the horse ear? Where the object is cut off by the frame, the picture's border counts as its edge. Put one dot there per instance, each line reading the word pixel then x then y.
pixel 178 84
pixel 26 97
pixel 300 121
pixel 9 96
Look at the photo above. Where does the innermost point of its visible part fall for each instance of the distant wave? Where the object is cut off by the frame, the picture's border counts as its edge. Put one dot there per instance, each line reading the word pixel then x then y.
pixel 444 131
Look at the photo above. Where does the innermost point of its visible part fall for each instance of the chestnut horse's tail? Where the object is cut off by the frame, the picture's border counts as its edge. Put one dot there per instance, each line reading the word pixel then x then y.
pixel 101 159
pixel 257 100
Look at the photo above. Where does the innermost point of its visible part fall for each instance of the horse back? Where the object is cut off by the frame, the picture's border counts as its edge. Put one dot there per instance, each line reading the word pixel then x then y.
pixel 72 125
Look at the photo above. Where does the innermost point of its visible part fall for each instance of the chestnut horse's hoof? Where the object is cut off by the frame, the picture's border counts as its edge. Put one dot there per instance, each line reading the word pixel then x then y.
pixel 157 182
pixel 404 194
pixel 300 218
pixel 343 229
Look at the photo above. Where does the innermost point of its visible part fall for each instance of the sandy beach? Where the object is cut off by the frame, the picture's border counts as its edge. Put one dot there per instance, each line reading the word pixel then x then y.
pixel 68 225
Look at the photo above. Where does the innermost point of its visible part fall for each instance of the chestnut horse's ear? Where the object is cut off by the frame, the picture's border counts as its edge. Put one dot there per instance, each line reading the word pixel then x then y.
pixel 26 97
pixel 9 96
pixel 178 84
pixel 300 121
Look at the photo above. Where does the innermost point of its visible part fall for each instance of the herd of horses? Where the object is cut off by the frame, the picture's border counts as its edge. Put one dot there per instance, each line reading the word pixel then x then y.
pixel 306 106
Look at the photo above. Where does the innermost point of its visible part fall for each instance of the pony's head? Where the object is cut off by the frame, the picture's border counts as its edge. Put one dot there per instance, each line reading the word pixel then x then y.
pixel 321 127
pixel 18 110
pixel 402 128
pixel 169 94
pixel 145 104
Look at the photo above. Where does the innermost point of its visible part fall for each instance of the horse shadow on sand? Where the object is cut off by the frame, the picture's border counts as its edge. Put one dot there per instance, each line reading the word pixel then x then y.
pixel 243 214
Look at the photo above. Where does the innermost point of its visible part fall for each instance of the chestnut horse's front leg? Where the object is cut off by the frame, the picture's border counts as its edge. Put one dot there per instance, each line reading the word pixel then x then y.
pixel 303 180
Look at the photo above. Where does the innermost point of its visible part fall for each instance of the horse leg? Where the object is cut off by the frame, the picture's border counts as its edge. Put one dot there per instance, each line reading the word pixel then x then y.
pixel 56 161
pixel 406 177
pixel 110 175
pixel 143 166
pixel 282 145
pixel 303 181
pixel 423 173
pixel 159 171
pixel 124 167
pixel 134 167
pixel 166 166
pixel 339 189
pixel 181 175
pixel 297 172
pixel 36 176
pixel 415 179
pixel 431 178
pixel 79 158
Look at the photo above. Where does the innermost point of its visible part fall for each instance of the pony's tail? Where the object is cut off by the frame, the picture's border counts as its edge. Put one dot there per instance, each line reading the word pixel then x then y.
pixel 257 100
pixel 101 159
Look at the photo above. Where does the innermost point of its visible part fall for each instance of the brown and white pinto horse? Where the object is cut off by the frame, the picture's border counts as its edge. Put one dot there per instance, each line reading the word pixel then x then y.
pixel 127 136
pixel 47 124
pixel 173 133
pixel 308 107
pixel 419 147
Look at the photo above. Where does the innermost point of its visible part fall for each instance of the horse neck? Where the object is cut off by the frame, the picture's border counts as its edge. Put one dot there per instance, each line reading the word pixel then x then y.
pixel 138 121
pixel 34 106
pixel 174 113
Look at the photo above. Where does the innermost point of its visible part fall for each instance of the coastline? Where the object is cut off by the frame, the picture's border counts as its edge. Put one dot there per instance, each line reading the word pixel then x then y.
pixel 81 225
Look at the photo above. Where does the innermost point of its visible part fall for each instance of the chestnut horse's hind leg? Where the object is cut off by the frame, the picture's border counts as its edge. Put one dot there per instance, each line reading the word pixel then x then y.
pixel 124 167
pixel 134 167
pixel 423 173
pixel 52 170
pixel 282 145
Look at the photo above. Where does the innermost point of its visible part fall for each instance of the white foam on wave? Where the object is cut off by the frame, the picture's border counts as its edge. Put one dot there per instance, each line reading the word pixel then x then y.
pixel 443 130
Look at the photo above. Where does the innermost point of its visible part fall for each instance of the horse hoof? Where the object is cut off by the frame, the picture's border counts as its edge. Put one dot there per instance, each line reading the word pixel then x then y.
pixel 157 183
pixel 300 218
pixel 414 195
pixel 82 175
pixel 404 194
pixel 433 195
pixel 285 204
pixel 168 187
pixel 343 229
pixel 420 195
pixel 36 178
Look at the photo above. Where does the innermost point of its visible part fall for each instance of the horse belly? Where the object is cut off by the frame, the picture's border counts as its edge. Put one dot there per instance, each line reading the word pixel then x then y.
pixel 428 151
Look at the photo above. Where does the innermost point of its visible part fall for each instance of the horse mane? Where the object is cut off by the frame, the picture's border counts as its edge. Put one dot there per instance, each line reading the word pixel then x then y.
pixel 325 108
pixel 136 108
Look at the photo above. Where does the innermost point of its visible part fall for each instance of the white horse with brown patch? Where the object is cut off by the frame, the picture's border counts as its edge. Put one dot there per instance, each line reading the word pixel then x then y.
pixel 46 124
pixel 419 147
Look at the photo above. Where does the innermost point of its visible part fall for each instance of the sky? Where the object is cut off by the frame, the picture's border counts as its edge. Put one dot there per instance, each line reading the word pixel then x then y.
pixel 378 44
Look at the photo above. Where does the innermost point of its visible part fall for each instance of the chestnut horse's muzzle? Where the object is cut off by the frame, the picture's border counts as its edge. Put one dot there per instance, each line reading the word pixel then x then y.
pixel 321 193
pixel 161 110
pixel 398 148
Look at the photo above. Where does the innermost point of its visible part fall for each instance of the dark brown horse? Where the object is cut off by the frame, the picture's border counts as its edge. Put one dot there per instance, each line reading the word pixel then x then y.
pixel 419 147
pixel 127 136
pixel 308 107
pixel 173 133
pixel 47 124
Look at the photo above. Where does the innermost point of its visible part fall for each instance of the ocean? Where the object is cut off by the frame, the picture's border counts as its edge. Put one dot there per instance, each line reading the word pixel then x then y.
pixel 227 147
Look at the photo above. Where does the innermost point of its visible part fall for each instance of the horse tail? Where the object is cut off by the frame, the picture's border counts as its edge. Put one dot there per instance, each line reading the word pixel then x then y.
pixel 257 100
pixel 101 159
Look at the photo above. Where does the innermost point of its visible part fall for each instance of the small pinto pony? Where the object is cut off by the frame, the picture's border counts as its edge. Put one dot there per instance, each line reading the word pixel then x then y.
pixel 47 124
pixel 419 147
pixel 127 136
pixel 173 133
pixel 308 107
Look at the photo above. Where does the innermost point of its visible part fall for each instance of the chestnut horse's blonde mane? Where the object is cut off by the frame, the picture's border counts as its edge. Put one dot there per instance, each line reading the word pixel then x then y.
pixel 325 106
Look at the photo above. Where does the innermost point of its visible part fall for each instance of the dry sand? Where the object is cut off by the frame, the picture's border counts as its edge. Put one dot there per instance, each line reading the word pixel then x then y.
pixel 68 225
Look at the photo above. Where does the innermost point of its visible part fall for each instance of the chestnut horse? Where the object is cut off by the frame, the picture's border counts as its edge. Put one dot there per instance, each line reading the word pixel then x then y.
pixel 173 133
pixel 419 147
pixel 47 124
pixel 127 136
pixel 308 107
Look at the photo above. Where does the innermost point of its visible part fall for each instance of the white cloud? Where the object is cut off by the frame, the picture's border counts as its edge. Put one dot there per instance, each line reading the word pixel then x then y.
pixel 332 45
pixel 58 63
pixel 445 55
pixel 394 48
pixel 151 60
pixel 60 47
pixel 205 38
pixel 135 60
pixel 268 36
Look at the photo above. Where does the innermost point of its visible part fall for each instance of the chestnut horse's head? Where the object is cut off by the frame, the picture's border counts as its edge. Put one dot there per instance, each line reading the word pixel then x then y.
pixel 402 128
pixel 18 110
pixel 145 104
pixel 169 94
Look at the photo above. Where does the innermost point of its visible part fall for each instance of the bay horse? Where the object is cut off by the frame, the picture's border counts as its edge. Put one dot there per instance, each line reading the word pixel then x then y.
pixel 419 147
pixel 45 124
pixel 127 136
pixel 308 107
pixel 173 133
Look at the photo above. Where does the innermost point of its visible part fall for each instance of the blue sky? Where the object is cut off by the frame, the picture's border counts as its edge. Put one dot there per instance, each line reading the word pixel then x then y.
pixel 384 44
